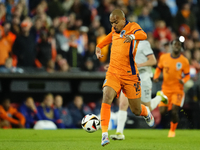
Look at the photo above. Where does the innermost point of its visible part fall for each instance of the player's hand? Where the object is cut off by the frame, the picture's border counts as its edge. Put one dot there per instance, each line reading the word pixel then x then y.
pixel 138 65
pixel 128 39
pixel 181 81
pixel 155 80
pixel 106 67
pixel 98 53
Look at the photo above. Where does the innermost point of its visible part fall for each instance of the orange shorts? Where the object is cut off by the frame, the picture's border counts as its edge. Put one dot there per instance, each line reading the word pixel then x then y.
pixel 176 98
pixel 130 85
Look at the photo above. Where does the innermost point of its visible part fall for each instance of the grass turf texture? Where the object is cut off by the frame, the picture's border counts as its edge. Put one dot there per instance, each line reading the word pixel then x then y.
pixel 78 139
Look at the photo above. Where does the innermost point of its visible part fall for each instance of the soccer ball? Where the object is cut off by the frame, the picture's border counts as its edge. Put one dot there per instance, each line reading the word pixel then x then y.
pixel 90 123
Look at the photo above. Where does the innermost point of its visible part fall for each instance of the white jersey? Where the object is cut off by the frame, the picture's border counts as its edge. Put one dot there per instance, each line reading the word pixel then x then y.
pixel 143 50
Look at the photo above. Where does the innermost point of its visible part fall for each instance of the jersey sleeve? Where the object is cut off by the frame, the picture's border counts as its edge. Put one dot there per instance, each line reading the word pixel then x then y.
pixel 147 49
pixel 158 68
pixel 107 40
pixel 138 32
pixel 160 62
pixel 186 71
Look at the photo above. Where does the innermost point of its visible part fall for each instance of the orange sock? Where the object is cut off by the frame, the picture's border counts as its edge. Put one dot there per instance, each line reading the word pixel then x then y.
pixel 144 111
pixel 105 116
pixel 173 126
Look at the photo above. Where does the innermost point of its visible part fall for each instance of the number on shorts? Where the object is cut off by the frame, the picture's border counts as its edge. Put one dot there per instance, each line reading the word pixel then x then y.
pixel 137 87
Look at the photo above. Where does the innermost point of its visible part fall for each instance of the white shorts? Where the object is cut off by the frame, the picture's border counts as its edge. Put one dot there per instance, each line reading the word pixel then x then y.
pixel 146 86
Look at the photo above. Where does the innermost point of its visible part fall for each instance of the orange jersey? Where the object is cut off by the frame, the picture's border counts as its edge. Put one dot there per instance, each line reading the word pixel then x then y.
pixel 122 54
pixel 173 70
pixel 8 115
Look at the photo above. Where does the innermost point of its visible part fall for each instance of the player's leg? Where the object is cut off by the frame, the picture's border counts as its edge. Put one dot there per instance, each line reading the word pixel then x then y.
pixel 133 93
pixel 121 118
pixel 177 101
pixel 141 110
pixel 160 97
pixel 174 120
pixel 111 89
pixel 108 95
pixel 163 110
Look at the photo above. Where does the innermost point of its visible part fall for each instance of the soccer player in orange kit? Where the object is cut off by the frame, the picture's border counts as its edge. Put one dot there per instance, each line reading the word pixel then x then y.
pixel 173 65
pixel 7 112
pixel 122 73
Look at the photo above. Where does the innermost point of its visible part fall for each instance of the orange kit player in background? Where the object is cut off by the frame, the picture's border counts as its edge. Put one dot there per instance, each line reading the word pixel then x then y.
pixel 7 113
pixel 122 72
pixel 173 66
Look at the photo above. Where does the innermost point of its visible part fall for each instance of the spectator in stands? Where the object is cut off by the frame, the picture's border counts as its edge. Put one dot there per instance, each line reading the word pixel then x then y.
pixel 9 68
pixel 17 12
pixel 74 57
pixel 164 12
pixel 78 110
pixel 36 29
pixel 145 21
pixel 138 6
pixel 55 8
pixel 15 25
pixel 62 43
pixel 48 112
pixel 67 4
pixel 64 113
pixel 52 41
pixel 93 29
pixel 29 110
pixel 44 51
pixel 105 50
pixel 50 66
pixel 90 61
pixel 195 62
pixel 5 47
pixel 63 65
pixel 162 33
pixel 2 13
pixel 184 19
pixel 40 13
pixel 10 116
pixel 82 11
pixel 24 46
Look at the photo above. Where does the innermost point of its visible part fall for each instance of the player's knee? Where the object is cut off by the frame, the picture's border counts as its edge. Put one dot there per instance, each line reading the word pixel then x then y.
pixel 123 105
pixel 174 112
pixel 163 110
pixel 107 97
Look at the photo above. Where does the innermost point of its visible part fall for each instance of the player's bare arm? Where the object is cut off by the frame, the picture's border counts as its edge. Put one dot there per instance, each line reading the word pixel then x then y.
pixel 98 53
pixel 150 62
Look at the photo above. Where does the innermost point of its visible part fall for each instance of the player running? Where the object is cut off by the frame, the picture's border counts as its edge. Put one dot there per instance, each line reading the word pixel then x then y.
pixel 173 65
pixel 144 59
pixel 122 73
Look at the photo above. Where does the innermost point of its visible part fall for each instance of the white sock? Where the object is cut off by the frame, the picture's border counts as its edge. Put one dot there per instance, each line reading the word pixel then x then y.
pixel 122 116
pixel 104 133
pixel 155 101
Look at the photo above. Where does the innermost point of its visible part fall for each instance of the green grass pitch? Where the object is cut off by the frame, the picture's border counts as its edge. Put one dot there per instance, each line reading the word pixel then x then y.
pixel 78 139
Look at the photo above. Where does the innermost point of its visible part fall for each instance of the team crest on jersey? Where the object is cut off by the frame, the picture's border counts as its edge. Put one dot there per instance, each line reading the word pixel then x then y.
pixel 178 66
pixel 122 33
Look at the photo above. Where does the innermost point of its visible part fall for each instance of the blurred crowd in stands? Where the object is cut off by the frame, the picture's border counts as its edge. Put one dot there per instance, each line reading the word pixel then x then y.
pixel 26 114
pixel 59 35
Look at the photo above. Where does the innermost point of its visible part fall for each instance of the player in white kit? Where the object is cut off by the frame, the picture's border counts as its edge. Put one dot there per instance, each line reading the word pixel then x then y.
pixel 144 59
